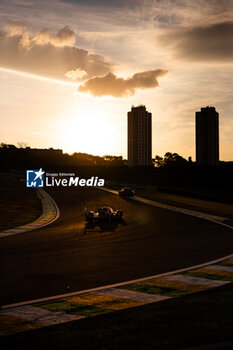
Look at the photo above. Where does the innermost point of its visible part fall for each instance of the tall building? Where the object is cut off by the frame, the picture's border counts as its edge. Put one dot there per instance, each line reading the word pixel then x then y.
pixel 207 136
pixel 139 137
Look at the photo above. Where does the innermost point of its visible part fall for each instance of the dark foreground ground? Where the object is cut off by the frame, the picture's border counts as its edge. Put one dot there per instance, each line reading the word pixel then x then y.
pixel 62 258
pixel 205 318
pixel 18 205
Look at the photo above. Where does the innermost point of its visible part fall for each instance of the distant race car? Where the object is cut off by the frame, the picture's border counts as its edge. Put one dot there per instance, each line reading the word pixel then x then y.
pixel 126 192
pixel 103 214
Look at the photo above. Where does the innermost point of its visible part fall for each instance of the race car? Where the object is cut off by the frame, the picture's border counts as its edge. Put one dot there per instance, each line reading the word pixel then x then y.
pixel 105 214
pixel 126 192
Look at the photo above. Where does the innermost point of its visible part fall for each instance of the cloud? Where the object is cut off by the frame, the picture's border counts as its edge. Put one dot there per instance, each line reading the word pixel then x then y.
pixel 203 43
pixel 97 2
pixel 15 27
pixel 111 85
pixel 64 37
pixel 47 55
pixel 76 74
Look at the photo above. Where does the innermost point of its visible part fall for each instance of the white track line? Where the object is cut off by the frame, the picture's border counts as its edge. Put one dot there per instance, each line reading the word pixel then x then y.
pixel 43 220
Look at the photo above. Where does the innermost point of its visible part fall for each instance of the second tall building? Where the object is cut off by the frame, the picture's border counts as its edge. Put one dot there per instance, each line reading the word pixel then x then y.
pixel 139 137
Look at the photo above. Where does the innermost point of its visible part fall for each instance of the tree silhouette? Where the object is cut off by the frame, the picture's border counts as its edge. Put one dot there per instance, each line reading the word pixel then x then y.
pixel 169 159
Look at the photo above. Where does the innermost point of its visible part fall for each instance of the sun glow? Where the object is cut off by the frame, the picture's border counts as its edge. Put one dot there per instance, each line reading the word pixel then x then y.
pixel 92 133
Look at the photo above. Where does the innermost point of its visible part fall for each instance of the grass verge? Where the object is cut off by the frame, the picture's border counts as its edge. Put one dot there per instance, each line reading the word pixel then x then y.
pixel 18 205
pixel 210 274
pixel 192 320
pixel 164 287
pixel 89 304
pixel 226 263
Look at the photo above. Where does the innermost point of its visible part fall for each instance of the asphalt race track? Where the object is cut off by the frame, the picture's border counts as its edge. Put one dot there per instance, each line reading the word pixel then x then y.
pixel 63 258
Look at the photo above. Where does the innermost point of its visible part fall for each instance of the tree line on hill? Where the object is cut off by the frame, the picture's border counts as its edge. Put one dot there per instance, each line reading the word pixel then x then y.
pixel 24 157
pixel 19 157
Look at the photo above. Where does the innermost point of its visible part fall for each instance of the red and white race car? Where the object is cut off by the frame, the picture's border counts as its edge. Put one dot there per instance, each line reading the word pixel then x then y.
pixel 103 214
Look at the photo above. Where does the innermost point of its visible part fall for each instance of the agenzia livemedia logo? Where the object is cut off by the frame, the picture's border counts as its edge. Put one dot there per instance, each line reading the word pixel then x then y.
pixel 35 178
pixel 38 178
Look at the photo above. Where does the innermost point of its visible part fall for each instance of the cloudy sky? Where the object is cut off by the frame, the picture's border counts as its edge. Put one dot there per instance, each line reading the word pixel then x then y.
pixel 71 69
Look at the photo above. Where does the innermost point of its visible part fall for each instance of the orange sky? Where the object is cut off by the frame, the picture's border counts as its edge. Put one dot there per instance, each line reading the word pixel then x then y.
pixel 70 71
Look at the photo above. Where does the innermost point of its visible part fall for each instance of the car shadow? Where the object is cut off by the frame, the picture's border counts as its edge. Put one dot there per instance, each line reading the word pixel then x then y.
pixel 103 226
